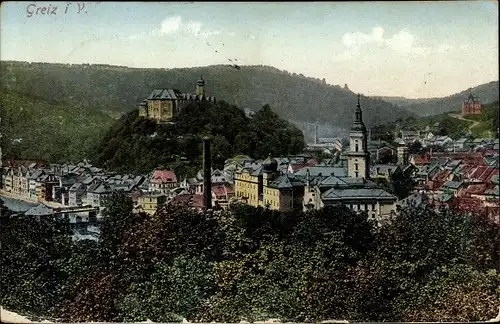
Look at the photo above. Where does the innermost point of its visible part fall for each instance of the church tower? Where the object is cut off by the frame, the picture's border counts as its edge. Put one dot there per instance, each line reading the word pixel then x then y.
pixel 200 87
pixel 358 157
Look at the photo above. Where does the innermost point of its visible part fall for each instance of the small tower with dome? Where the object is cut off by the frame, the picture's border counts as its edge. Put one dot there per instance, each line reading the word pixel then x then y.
pixel 200 87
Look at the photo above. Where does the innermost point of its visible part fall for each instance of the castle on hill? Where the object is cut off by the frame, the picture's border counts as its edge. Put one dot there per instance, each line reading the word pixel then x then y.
pixel 163 105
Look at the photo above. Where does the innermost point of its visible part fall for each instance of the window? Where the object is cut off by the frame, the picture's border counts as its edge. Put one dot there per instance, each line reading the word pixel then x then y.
pixel 359 207
pixel 366 207
pixel 356 147
pixel 373 206
pixel 356 167
pixel 356 174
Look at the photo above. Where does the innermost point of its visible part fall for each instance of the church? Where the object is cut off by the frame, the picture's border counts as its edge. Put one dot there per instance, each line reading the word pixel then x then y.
pixel 354 189
pixel 163 105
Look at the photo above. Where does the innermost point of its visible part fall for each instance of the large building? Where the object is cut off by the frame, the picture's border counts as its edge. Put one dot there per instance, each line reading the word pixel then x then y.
pixel 163 105
pixel 355 189
pixel 266 186
pixel 472 106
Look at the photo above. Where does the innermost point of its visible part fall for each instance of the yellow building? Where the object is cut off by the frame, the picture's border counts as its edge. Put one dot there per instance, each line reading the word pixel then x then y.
pixel 151 201
pixel 163 105
pixel 7 181
pixel 265 186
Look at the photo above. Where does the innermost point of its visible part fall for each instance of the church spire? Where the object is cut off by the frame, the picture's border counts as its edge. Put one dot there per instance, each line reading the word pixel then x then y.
pixel 358 125
pixel 359 113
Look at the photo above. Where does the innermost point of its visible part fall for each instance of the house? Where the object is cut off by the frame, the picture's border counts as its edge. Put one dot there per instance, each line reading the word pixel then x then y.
pixel 76 193
pixel 452 187
pixel 442 141
pixel 222 193
pixel 97 193
pixel 151 201
pixel 7 179
pixel 385 150
pixel 462 143
pixel 418 160
pixel 32 184
pixel 162 181
pixel 410 136
pixel 383 171
pixel 44 187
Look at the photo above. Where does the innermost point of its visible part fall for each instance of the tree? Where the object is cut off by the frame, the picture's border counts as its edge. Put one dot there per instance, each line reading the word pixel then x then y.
pixel 415 148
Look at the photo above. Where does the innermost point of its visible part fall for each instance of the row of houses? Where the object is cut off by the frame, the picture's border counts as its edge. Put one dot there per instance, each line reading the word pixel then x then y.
pixel 86 185
pixel 430 138
pixel 468 181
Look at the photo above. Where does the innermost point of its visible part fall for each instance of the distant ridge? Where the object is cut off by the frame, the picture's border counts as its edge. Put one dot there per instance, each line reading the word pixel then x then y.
pixel 119 88
pixel 487 93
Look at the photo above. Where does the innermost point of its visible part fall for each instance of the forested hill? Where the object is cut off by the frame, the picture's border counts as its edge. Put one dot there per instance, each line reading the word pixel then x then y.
pixel 487 93
pixel 33 128
pixel 138 145
pixel 292 96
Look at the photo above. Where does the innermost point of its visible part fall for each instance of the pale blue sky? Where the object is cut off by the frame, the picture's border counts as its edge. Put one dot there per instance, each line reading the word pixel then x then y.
pixel 412 49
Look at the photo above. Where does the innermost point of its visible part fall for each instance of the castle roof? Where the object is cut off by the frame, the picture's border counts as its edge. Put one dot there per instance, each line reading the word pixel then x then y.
pixel 165 94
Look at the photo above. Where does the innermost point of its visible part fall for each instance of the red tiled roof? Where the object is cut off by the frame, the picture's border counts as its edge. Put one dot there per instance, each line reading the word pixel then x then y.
pixel 439 179
pixel 312 162
pixel 420 160
pixel 196 200
pixel 478 172
pixel 219 190
pixel 476 189
pixel 495 172
pixel 297 167
pixel 229 188
pixel 486 174
pixel 222 189
pixel 163 176
pixel 466 170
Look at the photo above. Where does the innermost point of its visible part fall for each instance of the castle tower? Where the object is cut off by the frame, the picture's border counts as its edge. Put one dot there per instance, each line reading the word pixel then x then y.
pixel 358 157
pixel 200 87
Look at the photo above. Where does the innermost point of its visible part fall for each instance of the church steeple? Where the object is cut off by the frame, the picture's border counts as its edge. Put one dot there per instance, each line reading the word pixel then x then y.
pixel 358 125
pixel 358 157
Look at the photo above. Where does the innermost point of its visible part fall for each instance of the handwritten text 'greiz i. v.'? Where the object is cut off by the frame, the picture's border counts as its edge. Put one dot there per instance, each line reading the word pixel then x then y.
pixel 36 10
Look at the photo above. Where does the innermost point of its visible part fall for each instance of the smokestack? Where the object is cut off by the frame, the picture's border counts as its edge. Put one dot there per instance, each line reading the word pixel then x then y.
pixel 207 174
pixel 316 133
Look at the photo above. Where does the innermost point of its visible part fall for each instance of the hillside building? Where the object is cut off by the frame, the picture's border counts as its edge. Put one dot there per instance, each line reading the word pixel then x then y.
pixel 472 106
pixel 164 105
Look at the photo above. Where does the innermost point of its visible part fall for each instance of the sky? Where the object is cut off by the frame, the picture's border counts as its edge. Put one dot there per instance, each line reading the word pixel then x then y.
pixel 409 49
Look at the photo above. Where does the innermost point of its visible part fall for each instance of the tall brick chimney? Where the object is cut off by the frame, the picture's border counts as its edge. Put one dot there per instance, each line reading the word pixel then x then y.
pixel 207 174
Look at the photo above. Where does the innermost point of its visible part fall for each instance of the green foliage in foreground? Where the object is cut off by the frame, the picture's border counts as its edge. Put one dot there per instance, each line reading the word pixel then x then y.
pixel 33 128
pixel 138 145
pixel 253 264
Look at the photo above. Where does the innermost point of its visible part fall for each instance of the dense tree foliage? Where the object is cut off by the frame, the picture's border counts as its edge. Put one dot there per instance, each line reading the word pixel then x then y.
pixel 34 128
pixel 137 145
pixel 253 263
